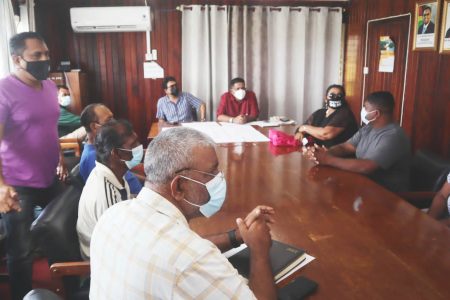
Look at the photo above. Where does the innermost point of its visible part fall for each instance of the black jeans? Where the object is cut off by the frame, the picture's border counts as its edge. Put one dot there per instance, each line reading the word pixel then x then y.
pixel 19 246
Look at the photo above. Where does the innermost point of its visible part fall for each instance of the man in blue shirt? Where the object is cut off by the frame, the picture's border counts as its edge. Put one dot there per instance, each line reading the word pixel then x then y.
pixel 178 107
pixel 92 118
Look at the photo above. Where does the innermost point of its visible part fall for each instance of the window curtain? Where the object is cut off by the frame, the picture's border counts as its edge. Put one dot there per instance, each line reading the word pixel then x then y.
pixel 287 55
pixel 27 20
pixel 7 29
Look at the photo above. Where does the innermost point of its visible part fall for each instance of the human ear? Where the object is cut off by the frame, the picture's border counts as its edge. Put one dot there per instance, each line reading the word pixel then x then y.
pixel 175 188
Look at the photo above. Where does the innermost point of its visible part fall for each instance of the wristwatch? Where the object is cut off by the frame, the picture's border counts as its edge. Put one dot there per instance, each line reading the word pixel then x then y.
pixel 232 236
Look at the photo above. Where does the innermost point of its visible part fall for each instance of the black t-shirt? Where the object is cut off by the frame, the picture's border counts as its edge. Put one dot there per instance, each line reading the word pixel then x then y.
pixel 341 117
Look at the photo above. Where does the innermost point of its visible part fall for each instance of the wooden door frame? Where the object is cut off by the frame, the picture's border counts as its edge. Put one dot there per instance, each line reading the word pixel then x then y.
pixel 406 59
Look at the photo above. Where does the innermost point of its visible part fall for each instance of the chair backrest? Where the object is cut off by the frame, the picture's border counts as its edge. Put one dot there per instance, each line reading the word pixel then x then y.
pixel 55 228
pixel 428 171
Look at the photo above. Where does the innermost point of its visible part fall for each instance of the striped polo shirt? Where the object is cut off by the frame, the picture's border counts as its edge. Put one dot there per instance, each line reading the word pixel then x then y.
pixel 181 111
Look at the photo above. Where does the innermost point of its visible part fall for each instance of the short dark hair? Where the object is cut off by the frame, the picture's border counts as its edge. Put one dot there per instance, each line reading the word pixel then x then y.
pixel 236 80
pixel 166 80
pixel 17 42
pixel 88 116
pixel 336 86
pixel 110 136
pixel 382 100
pixel 425 7
pixel 62 86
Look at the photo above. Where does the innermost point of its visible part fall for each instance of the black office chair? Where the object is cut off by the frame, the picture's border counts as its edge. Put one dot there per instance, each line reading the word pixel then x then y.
pixel 55 232
pixel 428 174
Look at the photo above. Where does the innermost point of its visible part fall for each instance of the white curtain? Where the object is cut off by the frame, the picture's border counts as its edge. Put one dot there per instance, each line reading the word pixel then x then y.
pixel 205 53
pixel 27 20
pixel 287 55
pixel 7 29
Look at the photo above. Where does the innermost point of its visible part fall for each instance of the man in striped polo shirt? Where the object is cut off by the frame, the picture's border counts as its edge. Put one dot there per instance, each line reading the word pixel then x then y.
pixel 176 106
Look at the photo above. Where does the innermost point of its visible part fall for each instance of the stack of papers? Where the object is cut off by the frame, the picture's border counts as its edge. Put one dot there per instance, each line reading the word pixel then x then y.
pixel 222 133
pixel 272 123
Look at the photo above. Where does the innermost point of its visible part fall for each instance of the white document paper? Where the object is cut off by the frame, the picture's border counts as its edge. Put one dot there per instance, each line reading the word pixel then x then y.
pixel 222 133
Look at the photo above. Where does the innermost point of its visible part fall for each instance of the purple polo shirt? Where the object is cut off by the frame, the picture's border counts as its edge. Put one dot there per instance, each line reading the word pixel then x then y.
pixel 29 150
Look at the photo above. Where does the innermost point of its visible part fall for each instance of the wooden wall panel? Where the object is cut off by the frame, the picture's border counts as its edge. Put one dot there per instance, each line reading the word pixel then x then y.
pixel 427 97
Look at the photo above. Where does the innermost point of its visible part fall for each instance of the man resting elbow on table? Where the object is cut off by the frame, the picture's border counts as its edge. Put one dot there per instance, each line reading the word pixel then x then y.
pixel 380 149
pixel 238 105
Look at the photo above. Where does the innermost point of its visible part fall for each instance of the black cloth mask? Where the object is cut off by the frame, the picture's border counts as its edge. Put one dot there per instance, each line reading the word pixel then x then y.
pixel 335 100
pixel 38 69
pixel 174 91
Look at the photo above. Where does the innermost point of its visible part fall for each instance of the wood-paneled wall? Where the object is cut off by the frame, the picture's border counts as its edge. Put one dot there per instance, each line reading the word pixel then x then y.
pixel 113 62
pixel 427 97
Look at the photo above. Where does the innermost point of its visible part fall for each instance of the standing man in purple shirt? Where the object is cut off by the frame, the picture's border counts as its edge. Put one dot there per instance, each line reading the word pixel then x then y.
pixel 29 150
pixel 177 107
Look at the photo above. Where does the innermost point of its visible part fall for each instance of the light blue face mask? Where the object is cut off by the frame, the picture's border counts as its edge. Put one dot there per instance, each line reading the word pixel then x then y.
pixel 64 100
pixel 217 190
pixel 138 153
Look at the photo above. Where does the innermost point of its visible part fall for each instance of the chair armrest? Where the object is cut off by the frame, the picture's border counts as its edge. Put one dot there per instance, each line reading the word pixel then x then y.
pixel 70 144
pixel 418 199
pixel 79 268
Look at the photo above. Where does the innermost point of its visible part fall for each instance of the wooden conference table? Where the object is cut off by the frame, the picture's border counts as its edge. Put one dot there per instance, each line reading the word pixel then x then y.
pixel 368 242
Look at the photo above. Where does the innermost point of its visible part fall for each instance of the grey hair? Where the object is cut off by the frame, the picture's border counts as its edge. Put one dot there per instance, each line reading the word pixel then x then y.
pixel 171 151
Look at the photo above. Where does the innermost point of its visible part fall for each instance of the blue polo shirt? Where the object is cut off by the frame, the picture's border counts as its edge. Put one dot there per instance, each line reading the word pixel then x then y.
pixel 87 163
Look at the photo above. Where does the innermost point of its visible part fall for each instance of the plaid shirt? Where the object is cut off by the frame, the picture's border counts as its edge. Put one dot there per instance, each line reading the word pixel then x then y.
pixel 144 249
pixel 179 112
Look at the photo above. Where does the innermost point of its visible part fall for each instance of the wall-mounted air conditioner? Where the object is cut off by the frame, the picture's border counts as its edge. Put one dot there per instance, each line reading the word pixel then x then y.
pixel 110 19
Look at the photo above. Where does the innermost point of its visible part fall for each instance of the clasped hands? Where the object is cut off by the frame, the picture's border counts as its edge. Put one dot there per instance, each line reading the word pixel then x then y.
pixel 254 230
pixel 319 155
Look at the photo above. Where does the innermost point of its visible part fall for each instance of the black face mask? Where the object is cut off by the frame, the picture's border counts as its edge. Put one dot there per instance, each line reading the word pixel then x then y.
pixel 38 69
pixel 174 91
pixel 335 100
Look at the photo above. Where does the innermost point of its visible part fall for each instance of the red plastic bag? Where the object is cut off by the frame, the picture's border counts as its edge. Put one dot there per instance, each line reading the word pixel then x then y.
pixel 281 139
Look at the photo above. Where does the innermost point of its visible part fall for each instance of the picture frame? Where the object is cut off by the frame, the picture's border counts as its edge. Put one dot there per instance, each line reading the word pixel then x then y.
pixel 426 25
pixel 445 29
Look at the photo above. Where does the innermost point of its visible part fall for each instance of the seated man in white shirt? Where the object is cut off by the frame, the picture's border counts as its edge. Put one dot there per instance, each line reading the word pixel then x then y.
pixel 144 248
pixel 118 150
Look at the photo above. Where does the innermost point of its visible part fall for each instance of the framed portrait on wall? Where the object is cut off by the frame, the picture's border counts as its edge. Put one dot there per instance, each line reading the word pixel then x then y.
pixel 445 29
pixel 426 25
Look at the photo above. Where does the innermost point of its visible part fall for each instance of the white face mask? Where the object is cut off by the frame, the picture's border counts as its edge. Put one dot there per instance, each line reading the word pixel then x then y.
pixel 364 114
pixel 239 94
pixel 64 100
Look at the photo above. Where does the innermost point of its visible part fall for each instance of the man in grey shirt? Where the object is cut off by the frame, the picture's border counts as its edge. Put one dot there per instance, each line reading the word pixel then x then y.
pixel 380 149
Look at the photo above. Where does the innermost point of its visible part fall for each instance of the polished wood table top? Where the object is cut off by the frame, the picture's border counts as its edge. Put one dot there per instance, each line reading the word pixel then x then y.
pixel 368 242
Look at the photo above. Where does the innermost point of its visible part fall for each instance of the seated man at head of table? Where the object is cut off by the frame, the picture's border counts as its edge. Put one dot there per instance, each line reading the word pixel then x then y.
pixel 380 150
pixel 440 207
pixel 177 106
pixel 144 247
pixel 93 117
pixel 238 105
pixel 118 149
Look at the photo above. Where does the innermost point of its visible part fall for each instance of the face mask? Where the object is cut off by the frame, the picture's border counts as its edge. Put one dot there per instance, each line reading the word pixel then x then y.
pixel 38 69
pixel 334 100
pixel 217 190
pixel 138 153
pixel 64 100
pixel 364 114
pixel 174 91
pixel 239 94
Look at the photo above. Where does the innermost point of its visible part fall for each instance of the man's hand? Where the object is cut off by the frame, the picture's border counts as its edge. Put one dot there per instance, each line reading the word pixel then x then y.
pixel 9 199
pixel 298 136
pixel 61 171
pixel 256 236
pixel 318 155
pixel 241 119
pixel 261 211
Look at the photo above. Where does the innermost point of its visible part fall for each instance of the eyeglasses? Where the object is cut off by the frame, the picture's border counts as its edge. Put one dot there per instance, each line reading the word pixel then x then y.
pixel 426 14
pixel 219 173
